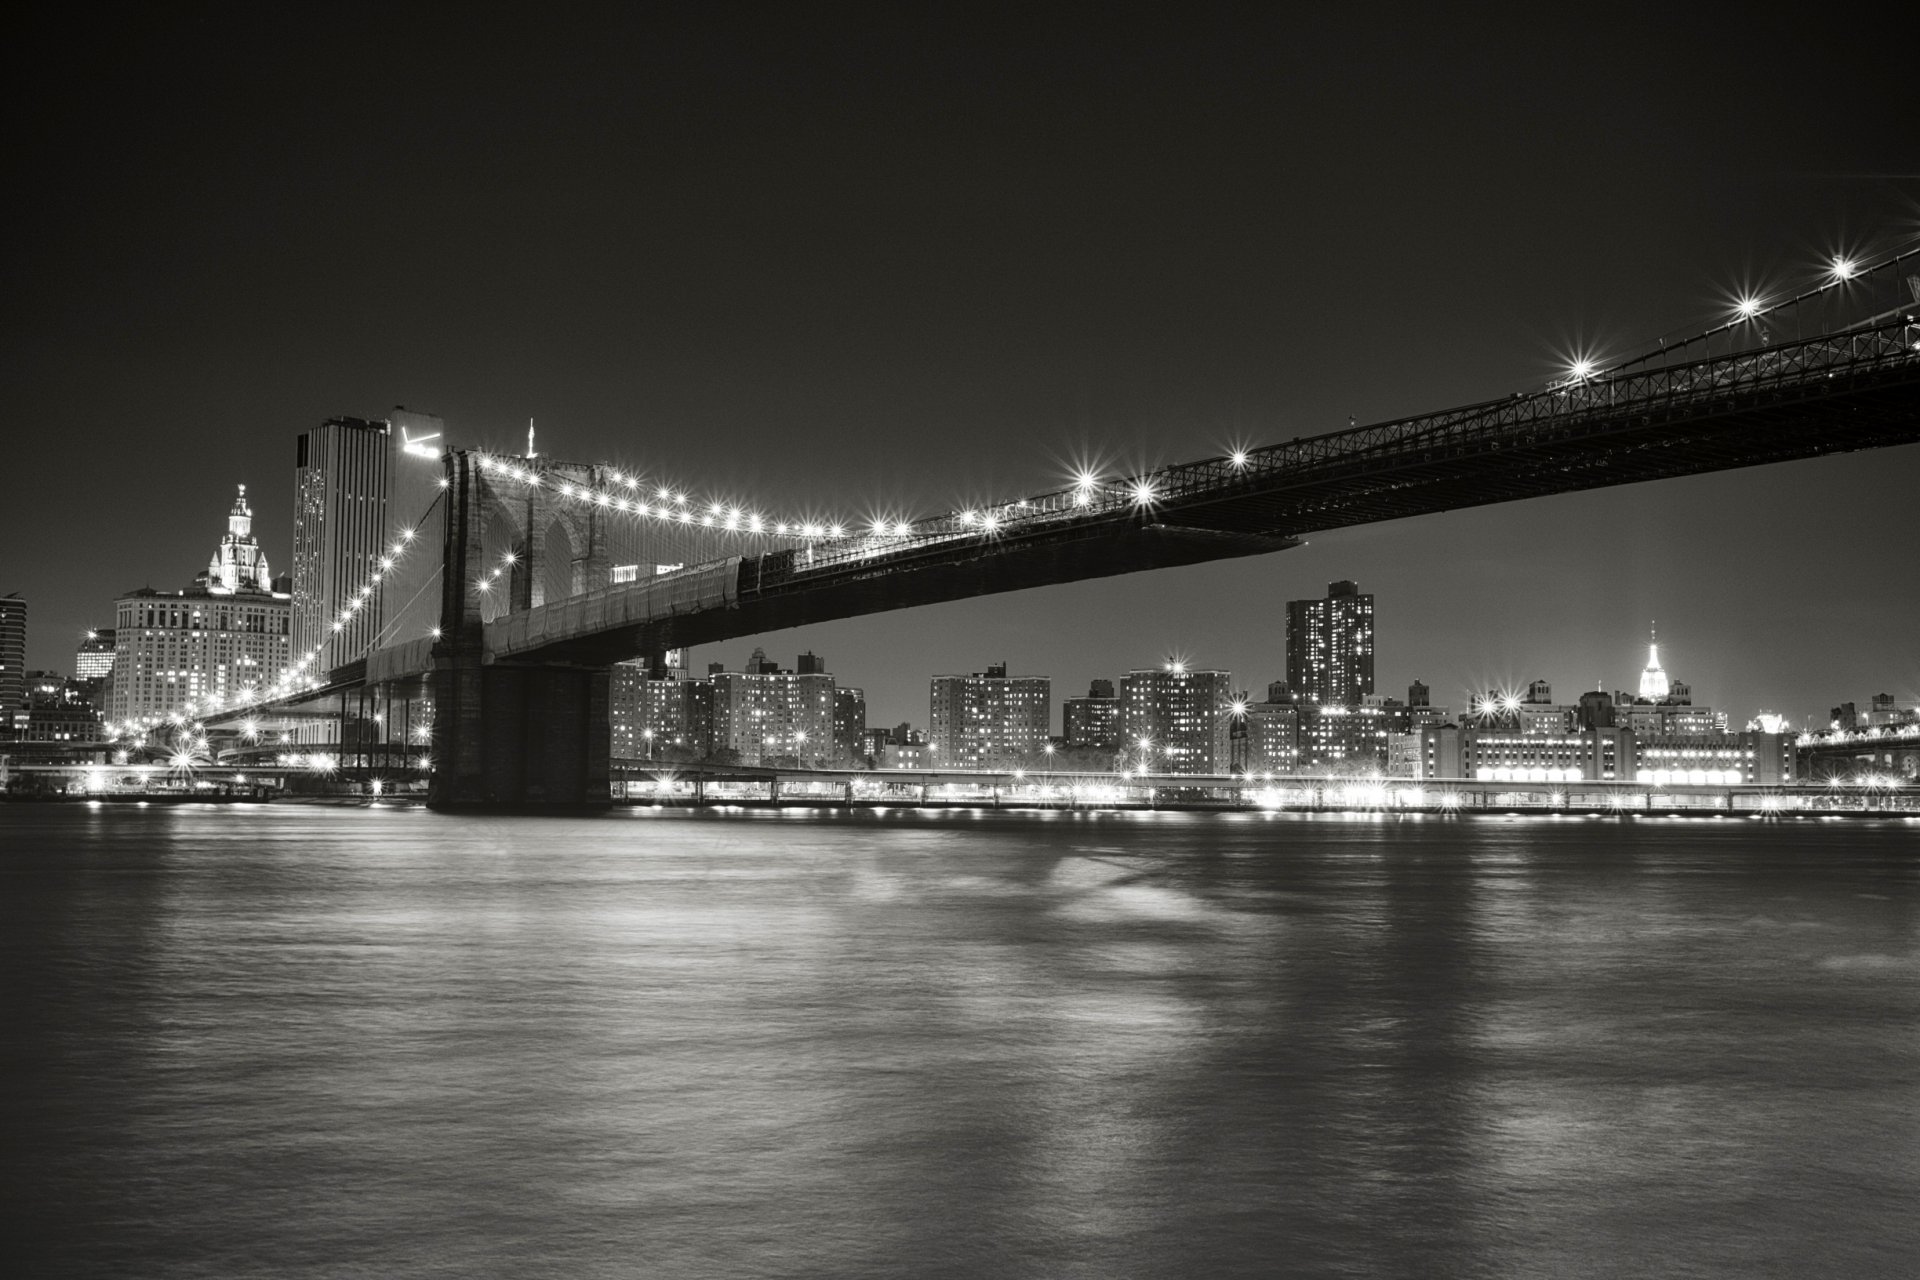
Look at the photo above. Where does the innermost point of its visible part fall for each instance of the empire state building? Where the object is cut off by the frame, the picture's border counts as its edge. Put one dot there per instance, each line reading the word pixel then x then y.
pixel 1653 681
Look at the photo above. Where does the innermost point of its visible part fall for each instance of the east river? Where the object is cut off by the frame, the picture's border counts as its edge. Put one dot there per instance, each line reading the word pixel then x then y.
pixel 306 1041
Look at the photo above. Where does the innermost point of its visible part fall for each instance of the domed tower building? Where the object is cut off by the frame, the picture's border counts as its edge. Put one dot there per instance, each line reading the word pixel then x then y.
pixel 178 654
pixel 238 563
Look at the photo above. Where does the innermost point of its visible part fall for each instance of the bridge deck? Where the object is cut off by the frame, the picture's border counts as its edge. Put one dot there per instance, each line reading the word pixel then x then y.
pixel 1825 395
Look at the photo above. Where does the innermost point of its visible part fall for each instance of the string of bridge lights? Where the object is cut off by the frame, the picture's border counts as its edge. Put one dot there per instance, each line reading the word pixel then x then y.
pixel 627 493
pixel 677 509
pixel 671 506
pixel 1839 270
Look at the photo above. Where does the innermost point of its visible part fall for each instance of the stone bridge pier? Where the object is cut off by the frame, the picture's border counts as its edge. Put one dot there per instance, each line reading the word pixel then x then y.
pixel 516 735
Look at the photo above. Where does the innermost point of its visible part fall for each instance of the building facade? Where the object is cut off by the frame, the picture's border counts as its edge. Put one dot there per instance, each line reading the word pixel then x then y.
pixel 1344 739
pixel 93 660
pixel 1092 723
pixel 1273 737
pixel 57 709
pixel 1330 646
pixel 769 718
pixel 849 725
pixel 989 719
pixel 340 532
pixel 172 648
pixel 648 715
pixel 13 654
pixel 1173 720
pixel 1606 755
pixel 207 644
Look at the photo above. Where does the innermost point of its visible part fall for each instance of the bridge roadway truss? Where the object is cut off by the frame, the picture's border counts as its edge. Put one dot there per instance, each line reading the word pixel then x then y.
pixel 521 696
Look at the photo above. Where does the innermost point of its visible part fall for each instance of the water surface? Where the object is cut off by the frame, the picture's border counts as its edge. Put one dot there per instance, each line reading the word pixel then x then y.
pixel 308 1041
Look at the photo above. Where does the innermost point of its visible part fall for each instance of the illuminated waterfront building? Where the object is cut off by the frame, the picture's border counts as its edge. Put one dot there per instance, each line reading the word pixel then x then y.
pixel 989 719
pixel 648 714
pixel 1606 755
pixel 762 716
pixel 1725 759
pixel 894 754
pixel 1336 739
pixel 1330 646
pixel 1174 720
pixel 205 643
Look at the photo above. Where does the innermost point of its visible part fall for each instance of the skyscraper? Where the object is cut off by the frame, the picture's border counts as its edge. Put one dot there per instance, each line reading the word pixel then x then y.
pixel 1654 684
pixel 93 660
pixel 339 533
pixel 1330 646
pixel 13 654
pixel 989 719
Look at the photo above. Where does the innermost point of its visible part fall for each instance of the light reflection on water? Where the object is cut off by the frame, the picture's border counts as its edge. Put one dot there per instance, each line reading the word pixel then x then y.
pixel 309 1041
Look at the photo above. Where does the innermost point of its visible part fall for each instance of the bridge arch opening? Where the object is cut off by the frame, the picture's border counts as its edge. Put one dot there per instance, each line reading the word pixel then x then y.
pixel 557 569
pixel 502 538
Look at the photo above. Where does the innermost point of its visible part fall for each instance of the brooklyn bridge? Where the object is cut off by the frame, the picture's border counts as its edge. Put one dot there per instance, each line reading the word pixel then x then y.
pixel 507 604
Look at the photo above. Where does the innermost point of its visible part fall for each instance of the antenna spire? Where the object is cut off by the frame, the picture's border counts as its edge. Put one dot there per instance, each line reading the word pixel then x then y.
pixel 530 452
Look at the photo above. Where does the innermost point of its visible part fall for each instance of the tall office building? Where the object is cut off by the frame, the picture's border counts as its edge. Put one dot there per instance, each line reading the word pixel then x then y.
pixel 1173 720
pixel 989 719
pixel 206 642
pixel 13 654
pixel 93 660
pixel 339 534
pixel 1330 646
pixel 1654 684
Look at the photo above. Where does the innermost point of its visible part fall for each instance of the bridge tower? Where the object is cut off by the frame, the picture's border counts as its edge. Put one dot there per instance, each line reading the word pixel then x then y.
pixel 507 734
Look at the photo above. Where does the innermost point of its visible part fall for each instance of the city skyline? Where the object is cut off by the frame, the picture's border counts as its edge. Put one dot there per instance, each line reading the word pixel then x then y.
pixel 1057 309
pixel 1286 662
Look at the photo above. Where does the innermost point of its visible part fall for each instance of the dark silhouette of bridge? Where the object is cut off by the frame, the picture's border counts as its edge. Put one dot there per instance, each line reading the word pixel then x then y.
pixel 532 612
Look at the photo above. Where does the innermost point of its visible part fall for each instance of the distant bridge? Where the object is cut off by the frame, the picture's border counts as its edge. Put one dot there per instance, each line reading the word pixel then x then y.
pixel 531 616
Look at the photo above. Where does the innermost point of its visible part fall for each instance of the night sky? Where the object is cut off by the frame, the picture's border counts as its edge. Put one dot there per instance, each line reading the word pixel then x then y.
pixel 826 258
